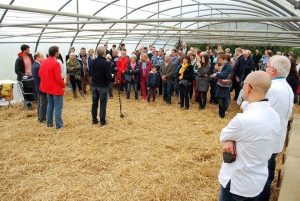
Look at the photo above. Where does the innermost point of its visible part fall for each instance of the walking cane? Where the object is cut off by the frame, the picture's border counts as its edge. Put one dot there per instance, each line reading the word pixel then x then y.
pixel 120 103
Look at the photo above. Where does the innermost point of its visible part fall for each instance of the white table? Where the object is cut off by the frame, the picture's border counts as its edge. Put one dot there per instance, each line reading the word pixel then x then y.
pixel 17 93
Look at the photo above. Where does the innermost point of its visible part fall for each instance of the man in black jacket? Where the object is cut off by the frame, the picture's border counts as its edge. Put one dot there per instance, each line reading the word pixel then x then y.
pixel 238 72
pixel 256 58
pixel 101 76
pixel 23 63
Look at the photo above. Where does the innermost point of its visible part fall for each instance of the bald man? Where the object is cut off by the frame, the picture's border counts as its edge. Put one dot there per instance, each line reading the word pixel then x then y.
pixel 248 142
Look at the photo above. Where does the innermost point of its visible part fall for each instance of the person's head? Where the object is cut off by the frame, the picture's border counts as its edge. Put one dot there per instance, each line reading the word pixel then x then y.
pixel 184 45
pixel 153 68
pixel 256 86
pixel 108 57
pixel 153 49
pixel 133 58
pixel 219 52
pixel 83 51
pixel 204 59
pixel 222 59
pixel 174 53
pixel 292 55
pixel 227 51
pixel 192 56
pixel 188 53
pixel 245 54
pixel 123 53
pixel 106 47
pixel 208 47
pixel 141 49
pixel 278 66
pixel 72 56
pixel 38 56
pixel 269 53
pixel 238 51
pixel 72 49
pixel 168 58
pixel 114 47
pixel 122 46
pixel 101 51
pixel 144 57
pixel 25 49
pixel 278 53
pixel 256 51
pixel 91 52
pixel 160 52
pixel 115 52
pixel 192 49
pixel 180 53
pixel 54 51
pixel 186 60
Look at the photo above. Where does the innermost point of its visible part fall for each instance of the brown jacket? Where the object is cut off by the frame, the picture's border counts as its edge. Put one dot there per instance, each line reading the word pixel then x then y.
pixel 168 71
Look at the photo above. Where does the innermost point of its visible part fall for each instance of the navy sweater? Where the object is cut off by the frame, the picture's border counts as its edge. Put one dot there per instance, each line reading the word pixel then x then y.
pixel 100 72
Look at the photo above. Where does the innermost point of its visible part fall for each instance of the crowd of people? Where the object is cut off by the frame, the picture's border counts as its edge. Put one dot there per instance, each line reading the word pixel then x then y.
pixel 184 72
pixel 267 87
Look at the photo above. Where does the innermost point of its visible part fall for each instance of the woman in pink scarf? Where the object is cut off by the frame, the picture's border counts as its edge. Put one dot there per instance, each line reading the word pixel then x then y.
pixel 145 65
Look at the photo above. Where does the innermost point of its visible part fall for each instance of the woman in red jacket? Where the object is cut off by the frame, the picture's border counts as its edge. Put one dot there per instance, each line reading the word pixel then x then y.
pixel 145 65
pixel 122 66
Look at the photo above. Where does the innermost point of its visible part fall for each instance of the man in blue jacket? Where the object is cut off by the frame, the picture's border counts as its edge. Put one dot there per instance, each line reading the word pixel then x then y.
pixel 42 97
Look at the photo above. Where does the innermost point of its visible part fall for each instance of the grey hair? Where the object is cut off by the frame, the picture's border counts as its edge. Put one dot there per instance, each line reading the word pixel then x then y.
pixel 101 51
pixel 282 65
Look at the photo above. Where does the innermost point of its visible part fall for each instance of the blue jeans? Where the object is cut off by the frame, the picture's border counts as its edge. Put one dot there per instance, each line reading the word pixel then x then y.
pixel 167 91
pixel 102 94
pixel 135 88
pixel 55 103
pixel 223 106
pixel 225 195
pixel 266 193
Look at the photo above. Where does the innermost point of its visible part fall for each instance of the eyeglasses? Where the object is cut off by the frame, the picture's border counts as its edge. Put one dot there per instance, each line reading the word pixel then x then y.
pixel 248 85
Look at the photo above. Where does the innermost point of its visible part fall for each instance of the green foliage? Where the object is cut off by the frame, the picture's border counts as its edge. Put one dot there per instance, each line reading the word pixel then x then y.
pixel 285 50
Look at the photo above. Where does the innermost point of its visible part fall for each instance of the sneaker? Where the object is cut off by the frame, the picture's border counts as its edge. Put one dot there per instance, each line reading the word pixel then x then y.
pixel 49 125
pixel 102 125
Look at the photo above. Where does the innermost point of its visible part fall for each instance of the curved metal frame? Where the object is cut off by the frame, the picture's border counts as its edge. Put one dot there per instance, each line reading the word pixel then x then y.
pixel 247 3
pixel 40 36
pixel 269 8
pixel 187 13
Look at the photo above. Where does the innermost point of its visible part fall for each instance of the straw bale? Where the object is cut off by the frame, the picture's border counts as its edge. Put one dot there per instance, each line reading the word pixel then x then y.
pixel 157 152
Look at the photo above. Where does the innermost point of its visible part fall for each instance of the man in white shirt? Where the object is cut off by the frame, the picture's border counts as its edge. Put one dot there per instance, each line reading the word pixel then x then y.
pixel 281 99
pixel 250 137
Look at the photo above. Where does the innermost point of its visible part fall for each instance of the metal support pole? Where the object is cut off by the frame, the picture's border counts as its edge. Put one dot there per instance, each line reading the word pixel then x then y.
pixel 126 15
pixel 77 10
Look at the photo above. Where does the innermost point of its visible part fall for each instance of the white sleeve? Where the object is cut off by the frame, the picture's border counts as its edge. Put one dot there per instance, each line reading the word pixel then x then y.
pixel 233 131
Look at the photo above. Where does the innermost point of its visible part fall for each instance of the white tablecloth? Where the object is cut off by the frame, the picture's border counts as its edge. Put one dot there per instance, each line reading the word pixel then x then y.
pixel 18 97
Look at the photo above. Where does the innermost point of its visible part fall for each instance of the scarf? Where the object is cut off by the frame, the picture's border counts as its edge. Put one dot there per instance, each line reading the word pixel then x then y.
pixel 72 63
pixel 133 65
pixel 183 68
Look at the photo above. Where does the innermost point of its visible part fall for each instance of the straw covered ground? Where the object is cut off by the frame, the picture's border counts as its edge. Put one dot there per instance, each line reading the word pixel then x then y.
pixel 157 152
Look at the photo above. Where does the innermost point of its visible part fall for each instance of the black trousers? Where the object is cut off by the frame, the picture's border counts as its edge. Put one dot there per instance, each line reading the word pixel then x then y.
pixel 184 95
pixel 75 83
